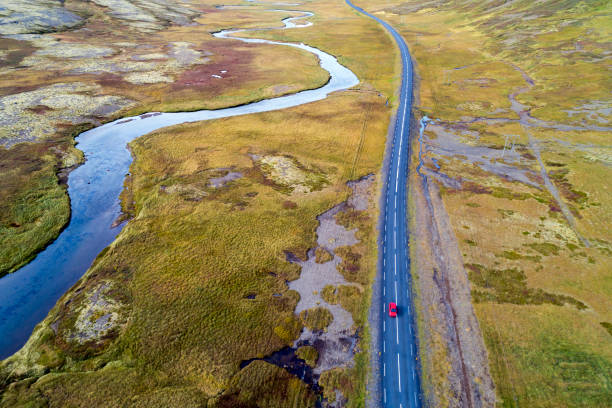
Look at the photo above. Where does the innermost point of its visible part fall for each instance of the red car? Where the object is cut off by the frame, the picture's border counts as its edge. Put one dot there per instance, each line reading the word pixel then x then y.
pixel 392 310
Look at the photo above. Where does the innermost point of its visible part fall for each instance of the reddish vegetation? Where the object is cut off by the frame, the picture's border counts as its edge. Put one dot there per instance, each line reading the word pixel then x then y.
pixel 236 60
pixel 40 109
pixel 528 155
pixel 475 188
pixel 289 205
pixel 16 51
pixel 535 177
pixel 11 90
pixel 19 164
pixel 111 80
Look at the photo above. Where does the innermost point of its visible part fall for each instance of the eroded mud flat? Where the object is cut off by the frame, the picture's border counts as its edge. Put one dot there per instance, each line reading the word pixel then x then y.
pixel 320 276
pixel 330 339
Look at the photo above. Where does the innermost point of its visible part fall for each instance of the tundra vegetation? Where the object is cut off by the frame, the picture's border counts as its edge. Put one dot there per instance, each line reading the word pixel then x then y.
pixel 518 97
pixel 196 282
pixel 67 66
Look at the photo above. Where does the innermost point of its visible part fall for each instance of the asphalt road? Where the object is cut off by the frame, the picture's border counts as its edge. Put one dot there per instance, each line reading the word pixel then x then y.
pixel 400 379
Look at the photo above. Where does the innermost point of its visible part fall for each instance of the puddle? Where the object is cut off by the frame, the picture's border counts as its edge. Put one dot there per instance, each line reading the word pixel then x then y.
pixel 336 345
pixel 505 163
pixel 218 182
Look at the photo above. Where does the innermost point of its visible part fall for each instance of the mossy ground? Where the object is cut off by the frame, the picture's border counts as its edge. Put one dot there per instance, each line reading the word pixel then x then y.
pixel 34 207
pixel 308 354
pixel 317 318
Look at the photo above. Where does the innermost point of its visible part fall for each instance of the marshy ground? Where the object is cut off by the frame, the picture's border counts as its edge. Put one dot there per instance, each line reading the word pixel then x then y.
pixel 57 80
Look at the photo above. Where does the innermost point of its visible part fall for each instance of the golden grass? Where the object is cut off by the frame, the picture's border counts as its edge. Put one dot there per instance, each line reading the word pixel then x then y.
pixel 34 201
pixel 317 318
pixel 308 354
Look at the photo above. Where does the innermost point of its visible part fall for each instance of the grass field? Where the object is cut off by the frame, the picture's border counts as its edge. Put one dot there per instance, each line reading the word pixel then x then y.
pixel 196 281
pixel 538 254
pixel 53 85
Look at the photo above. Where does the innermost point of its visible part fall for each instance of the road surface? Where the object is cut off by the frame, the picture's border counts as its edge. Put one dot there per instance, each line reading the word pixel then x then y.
pixel 400 379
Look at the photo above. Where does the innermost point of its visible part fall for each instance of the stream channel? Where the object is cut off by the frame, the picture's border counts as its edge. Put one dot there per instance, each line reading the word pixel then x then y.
pixel 27 295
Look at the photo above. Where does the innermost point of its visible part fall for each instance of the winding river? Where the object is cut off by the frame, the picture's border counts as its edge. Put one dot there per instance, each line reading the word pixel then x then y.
pixel 27 295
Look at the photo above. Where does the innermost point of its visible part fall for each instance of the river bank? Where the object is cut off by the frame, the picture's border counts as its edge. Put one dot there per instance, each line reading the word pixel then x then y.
pixel 94 189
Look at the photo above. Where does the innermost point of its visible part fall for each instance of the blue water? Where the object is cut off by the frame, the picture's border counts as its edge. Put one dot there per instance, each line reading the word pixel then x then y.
pixel 27 295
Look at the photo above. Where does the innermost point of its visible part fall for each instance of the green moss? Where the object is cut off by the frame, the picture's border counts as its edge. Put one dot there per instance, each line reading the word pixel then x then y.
pixel 502 192
pixel 607 326
pixel 505 213
pixel 580 374
pixel 308 354
pixel 545 248
pixel 470 242
pixel 510 286
pixel 289 330
pixel 33 206
pixel 514 256
pixel 317 318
